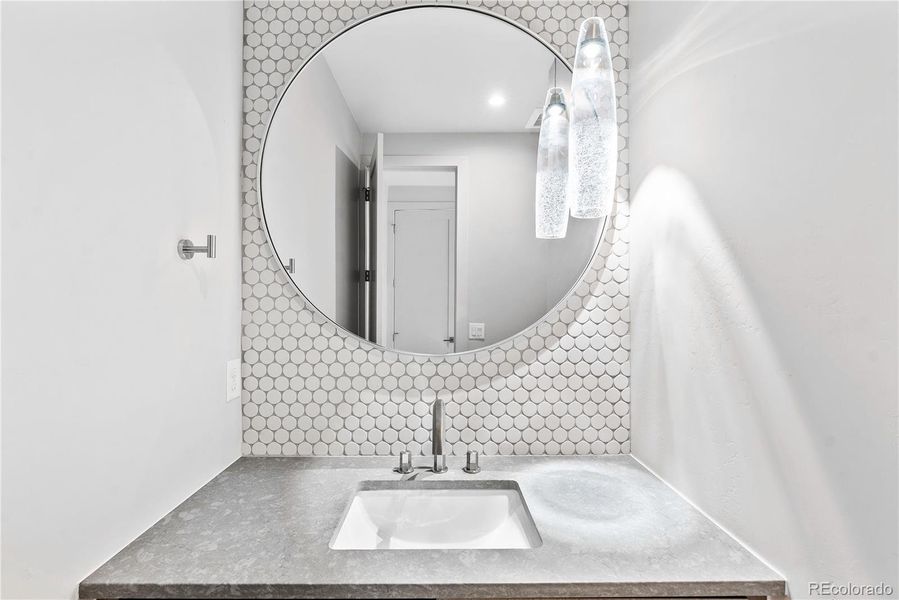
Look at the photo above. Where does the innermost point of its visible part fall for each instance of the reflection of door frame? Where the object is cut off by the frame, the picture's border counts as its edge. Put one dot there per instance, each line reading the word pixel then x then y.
pixel 390 280
pixel 459 164
pixel 374 333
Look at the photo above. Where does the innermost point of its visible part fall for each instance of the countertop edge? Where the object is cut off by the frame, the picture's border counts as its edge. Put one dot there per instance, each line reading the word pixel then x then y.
pixel 772 588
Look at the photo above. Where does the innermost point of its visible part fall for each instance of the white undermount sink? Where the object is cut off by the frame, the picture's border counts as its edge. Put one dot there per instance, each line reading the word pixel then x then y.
pixel 397 515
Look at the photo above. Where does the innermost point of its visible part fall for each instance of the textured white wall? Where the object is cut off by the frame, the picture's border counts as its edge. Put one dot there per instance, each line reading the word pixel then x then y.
pixel 764 274
pixel 297 365
pixel 121 134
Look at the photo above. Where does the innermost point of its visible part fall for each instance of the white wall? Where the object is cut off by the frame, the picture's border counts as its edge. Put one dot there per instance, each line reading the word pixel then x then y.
pixel 121 134
pixel 299 178
pixel 764 265
pixel 513 279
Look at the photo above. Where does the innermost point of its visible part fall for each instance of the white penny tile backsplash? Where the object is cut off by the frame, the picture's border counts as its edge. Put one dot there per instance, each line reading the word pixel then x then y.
pixel 560 387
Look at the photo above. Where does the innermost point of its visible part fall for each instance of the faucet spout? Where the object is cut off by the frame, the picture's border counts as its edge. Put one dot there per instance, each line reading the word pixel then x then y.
pixel 437 432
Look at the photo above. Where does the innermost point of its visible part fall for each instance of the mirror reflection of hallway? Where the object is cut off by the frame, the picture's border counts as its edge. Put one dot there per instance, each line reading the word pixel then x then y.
pixel 444 89
pixel 421 257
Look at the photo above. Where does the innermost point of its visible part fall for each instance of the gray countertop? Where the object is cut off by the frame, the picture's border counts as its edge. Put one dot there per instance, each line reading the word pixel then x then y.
pixel 261 529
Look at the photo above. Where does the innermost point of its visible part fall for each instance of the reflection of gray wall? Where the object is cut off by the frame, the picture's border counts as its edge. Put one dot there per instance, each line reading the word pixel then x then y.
pixel 421 193
pixel 299 178
pixel 513 278
pixel 347 242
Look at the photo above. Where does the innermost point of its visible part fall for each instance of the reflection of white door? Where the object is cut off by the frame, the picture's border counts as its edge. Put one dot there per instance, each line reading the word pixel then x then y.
pixel 424 292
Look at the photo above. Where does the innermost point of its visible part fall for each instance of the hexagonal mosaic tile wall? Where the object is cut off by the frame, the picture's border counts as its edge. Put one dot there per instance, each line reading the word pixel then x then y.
pixel 560 387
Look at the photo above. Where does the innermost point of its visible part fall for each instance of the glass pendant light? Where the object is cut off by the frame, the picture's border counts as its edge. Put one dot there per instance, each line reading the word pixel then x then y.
pixel 593 142
pixel 552 167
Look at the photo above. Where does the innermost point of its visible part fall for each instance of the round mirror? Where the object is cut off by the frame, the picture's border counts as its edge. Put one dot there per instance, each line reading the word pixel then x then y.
pixel 397 181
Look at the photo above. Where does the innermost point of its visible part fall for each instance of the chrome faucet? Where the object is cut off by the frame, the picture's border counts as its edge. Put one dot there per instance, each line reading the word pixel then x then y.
pixel 437 414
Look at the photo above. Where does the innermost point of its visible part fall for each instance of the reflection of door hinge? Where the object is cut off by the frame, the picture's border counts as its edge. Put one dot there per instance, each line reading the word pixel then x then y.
pixel 366 275
pixel 367 194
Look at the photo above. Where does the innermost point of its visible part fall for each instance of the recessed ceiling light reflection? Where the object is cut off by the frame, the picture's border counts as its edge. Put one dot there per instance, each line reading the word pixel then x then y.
pixel 496 100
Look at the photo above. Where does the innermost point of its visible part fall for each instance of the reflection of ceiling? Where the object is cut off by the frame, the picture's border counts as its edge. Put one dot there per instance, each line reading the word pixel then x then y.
pixel 433 70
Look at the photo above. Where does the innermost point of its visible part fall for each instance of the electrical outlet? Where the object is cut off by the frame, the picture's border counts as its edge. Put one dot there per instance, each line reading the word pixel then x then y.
pixel 233 385
pixel 476 331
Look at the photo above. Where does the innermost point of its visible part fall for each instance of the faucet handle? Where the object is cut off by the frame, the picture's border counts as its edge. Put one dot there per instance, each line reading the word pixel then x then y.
pixel 405 466
pixel 471 462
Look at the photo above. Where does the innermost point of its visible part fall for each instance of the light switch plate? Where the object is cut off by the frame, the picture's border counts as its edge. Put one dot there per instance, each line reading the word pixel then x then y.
pixel 476 331
pixel 233 385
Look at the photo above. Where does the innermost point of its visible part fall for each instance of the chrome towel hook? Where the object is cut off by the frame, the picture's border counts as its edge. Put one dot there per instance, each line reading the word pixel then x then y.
pixel 186 248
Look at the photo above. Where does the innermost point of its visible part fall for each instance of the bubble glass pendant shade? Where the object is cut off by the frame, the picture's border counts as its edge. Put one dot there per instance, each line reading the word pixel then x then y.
pixel 593 137
pixel 552 168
